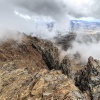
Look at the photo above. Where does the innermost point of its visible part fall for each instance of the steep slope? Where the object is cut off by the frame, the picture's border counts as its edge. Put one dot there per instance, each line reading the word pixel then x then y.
pixel 30 70
pixel 88 79
pixel 22 53
pixel 33 70
pixel 20 84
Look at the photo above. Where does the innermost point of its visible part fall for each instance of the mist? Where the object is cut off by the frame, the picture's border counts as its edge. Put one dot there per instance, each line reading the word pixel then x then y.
pixel 20 15
pixel 6 35
pixel 32 17
pixel 83 46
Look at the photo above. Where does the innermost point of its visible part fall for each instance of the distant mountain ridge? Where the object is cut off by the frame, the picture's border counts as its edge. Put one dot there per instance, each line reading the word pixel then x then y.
pixel 78 25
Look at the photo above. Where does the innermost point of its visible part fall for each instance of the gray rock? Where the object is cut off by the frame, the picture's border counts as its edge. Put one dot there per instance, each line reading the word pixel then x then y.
pixel 49 52
pixel 65 66
pixel 88 79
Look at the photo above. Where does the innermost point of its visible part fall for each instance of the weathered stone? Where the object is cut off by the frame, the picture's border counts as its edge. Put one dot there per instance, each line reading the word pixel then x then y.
pixel 88 79
pixel 24 73
pixel 50 53
pixel 20 84
pixel 66 67
pixel 38 87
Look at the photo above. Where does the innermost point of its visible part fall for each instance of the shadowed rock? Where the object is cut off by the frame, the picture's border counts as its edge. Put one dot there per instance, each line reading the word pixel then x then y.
pixel 49 52
pixel 88 79
pixel 24 73
pixel 66 67
pixel 50 55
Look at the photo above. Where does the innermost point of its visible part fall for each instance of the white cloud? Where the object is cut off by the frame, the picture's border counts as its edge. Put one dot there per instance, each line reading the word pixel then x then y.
pixel 27 17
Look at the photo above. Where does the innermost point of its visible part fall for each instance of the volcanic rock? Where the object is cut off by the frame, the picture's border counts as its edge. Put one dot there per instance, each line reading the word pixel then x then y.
pixel 22 54
pixel 88 79
pixel 49 52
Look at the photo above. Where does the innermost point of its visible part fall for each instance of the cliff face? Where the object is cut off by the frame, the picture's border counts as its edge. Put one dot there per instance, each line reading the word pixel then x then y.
pixel 49 52
pixel 33 70
pixel 88 79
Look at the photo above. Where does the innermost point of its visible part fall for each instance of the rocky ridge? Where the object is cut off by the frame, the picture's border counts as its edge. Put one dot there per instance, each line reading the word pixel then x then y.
pixel 88 79
pixel 20 84
pixel 33 70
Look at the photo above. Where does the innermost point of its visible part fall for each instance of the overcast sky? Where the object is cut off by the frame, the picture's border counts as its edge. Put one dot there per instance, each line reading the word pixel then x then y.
pixel 30 15
pixel 21 14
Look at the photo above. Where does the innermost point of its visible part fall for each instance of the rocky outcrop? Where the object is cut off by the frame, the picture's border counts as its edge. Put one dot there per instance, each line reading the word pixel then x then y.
pixel 20 84
pixel 34 70
pixel 66 67
pixel 88 79
pixel 49 52
pixel 31 70
pixel 50 55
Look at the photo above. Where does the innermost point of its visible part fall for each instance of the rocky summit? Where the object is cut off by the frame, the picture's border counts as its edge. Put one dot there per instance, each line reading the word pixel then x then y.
pixel 33 69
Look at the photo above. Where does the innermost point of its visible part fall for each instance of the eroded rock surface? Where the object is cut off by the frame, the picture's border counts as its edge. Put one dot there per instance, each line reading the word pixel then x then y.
pixel 20 84
pixel 51 56
pixel 23 54
pixel 66 67
pixel 33 70
pixel 88 79
pixel 49 52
